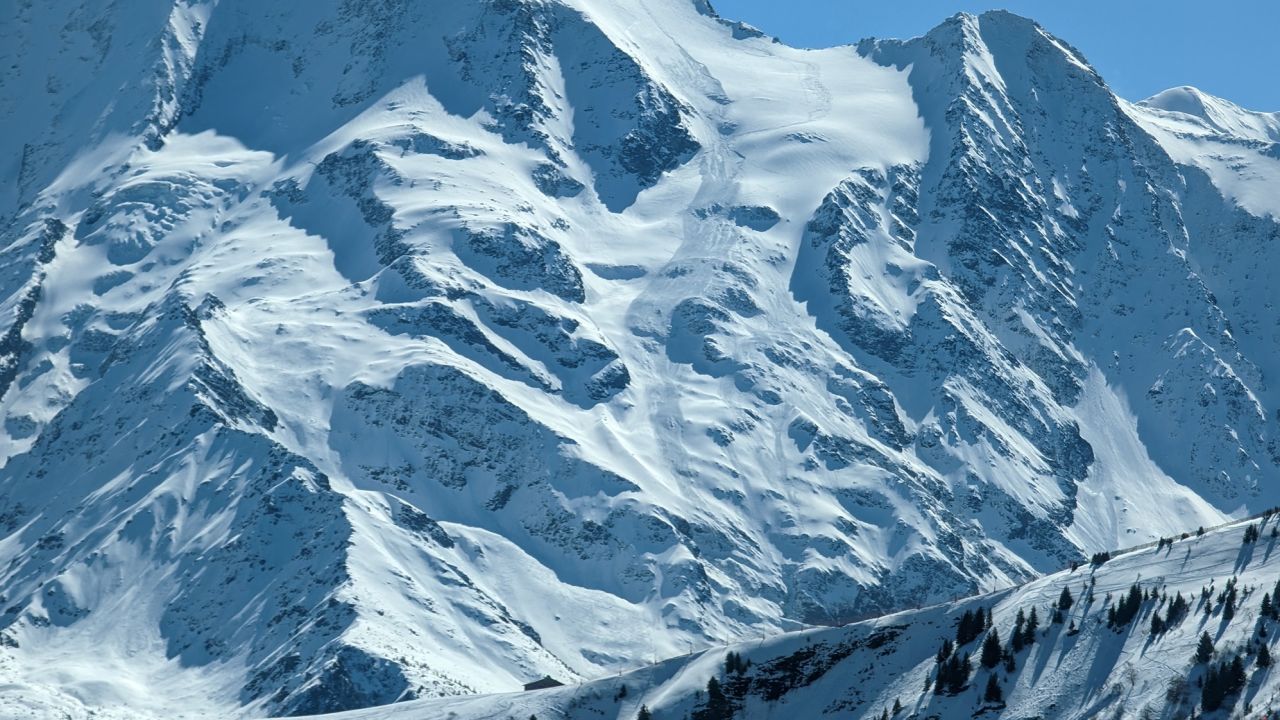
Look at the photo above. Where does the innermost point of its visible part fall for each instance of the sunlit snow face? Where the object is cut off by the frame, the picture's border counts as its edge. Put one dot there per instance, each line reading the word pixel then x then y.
pixel 381 320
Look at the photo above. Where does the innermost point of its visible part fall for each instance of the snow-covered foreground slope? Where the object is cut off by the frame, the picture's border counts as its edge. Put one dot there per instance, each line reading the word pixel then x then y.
pixel 1077 663
pixel 352 352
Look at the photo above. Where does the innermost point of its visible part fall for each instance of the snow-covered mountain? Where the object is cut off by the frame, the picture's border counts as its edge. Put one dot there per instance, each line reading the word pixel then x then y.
pixel 358 351
pixel 1100 650
pixel 1234 149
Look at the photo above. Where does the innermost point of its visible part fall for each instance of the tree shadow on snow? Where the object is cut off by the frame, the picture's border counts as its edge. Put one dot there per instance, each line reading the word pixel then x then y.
pixel 1254 685
pixel 1243 557
pixel 1045 650
pixel 1109 648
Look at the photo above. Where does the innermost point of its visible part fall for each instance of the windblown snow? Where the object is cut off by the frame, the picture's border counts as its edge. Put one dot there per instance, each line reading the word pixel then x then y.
pixel 354 352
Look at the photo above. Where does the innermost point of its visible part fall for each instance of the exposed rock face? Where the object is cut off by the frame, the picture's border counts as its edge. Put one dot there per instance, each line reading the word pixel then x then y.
pixel 359 351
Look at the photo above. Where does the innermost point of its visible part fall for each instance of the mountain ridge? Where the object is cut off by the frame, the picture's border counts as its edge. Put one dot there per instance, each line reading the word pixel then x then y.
pixel 376 321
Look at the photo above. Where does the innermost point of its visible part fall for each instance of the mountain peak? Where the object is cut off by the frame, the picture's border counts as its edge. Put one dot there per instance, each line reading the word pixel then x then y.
pixel 983 42
pixel 1218 114
pixel 1183 99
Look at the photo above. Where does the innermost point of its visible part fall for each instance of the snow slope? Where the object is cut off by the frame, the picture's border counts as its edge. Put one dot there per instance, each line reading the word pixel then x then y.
pixel 1238 149
pixel 1080 667
pixel 353 352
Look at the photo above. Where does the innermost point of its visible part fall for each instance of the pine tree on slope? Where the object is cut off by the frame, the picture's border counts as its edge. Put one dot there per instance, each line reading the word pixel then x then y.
pixel 993 694
pixel 1204 650
pixel 991 649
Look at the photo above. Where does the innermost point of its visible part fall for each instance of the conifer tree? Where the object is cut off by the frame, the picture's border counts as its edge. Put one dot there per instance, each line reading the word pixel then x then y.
pixel 1211 689
pixel 644 713
pixel 1019 623
pixel 1033 624
pixel 1264 656
pixel 963 628
pixel 970 626
pixel 897 706
pixel 993 694
pixel 717 707
pixel 1221 680
pixel 945 651
pixel 1236 676
pixel 953 675
pixel 991 649
pixel 1204 650
pixel 1125 609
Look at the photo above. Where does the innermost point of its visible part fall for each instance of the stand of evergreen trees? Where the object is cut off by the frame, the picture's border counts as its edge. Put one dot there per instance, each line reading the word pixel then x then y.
pixel 971 625
pixel 734 664
pixel 1024 630
pixel 1251 534
pixel 945 651
pixel 1228 600
pixel 953 675
pixel 717 706
pixel 1126 609
pixel 1222 680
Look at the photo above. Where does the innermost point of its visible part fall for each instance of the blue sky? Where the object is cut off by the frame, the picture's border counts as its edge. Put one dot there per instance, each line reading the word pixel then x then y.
pixel 1229 48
